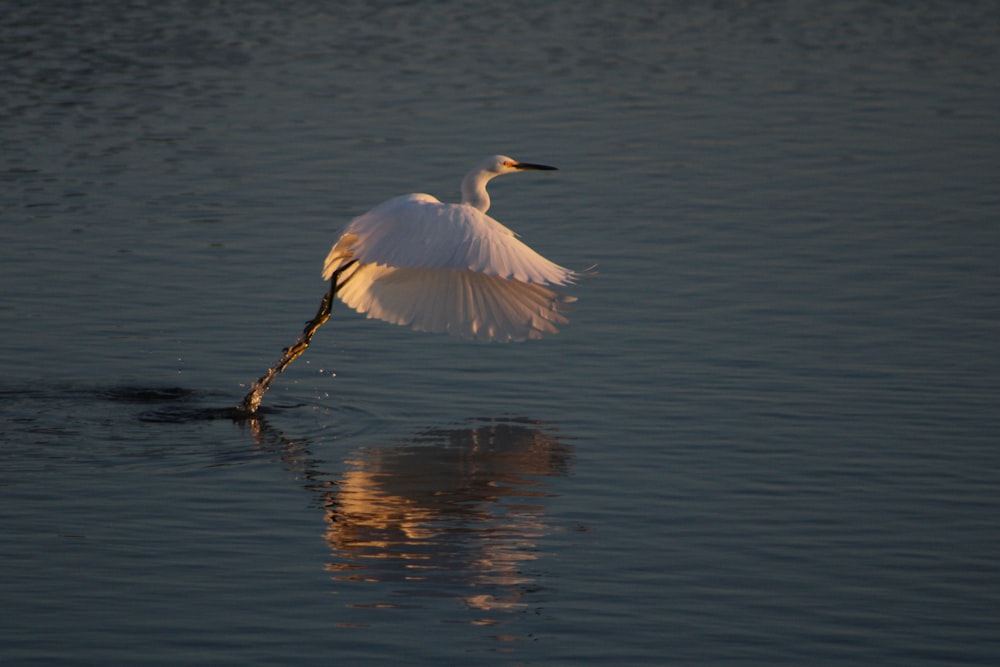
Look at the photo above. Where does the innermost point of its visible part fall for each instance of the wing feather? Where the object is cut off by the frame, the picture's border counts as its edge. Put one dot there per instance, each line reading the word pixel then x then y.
pixel 419 232
pixel 447 268
pixel 461 303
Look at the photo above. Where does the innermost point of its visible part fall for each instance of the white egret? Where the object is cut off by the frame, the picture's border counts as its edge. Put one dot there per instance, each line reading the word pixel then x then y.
pixel 449 268
pixel 418 262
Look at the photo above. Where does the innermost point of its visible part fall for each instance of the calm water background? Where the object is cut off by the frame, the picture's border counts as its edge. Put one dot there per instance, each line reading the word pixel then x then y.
pixel 769 435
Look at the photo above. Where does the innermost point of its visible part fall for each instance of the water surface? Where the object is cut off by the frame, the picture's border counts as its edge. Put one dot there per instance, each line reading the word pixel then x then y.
pixel 768 435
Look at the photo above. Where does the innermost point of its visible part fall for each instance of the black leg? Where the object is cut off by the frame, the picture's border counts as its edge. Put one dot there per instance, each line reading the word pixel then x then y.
pixel 251 402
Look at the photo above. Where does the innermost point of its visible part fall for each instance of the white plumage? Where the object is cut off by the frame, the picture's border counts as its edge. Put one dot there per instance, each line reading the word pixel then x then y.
pixel 449 268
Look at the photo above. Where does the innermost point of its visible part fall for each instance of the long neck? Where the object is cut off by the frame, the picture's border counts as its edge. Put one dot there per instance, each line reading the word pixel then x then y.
pixel 474 189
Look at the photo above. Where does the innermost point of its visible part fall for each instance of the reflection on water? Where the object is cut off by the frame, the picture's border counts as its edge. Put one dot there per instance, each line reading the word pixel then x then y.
pixel 447 513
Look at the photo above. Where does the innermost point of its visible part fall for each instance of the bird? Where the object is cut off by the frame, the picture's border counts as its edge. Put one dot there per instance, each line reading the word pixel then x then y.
pixel 449 268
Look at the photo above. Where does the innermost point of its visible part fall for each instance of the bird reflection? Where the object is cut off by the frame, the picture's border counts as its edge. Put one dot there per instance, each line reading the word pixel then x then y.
pixel 453 512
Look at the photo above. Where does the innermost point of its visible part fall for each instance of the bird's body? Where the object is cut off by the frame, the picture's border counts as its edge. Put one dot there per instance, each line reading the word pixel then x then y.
pixel 451 268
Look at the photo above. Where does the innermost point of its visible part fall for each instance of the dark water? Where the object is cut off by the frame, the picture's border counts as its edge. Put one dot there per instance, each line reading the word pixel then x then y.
pixel 768 436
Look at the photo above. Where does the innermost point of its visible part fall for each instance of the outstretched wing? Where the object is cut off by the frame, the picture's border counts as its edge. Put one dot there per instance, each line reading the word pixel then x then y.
pixel 447 268
pixel 462 303
pixel 419 232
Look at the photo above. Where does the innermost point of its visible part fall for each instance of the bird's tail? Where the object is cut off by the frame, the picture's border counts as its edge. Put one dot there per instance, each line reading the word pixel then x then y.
pixel 339 255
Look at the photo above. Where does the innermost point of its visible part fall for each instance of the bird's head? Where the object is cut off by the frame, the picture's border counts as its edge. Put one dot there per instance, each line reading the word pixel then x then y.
pixel 501 164
pixel 474 185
